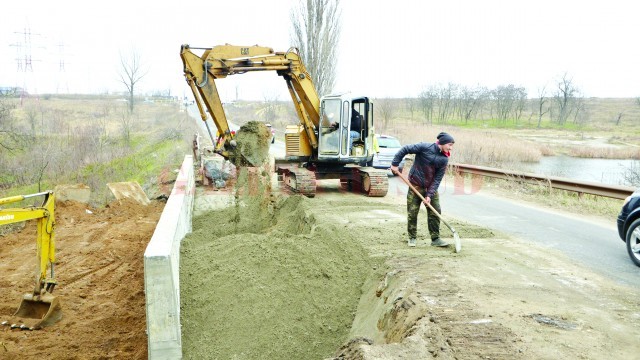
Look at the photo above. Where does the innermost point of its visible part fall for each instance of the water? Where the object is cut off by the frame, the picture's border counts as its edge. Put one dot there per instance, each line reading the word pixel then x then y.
pixel 606 171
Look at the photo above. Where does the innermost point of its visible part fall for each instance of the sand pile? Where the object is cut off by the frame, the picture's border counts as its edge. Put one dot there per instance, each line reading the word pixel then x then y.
pixel 268 282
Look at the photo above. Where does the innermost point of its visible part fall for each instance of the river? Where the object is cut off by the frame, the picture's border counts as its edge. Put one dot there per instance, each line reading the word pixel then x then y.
pixel 606 171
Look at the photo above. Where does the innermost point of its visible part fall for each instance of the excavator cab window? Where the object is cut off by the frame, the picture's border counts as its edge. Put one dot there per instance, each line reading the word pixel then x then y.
pixel 330 128
pixel 358 125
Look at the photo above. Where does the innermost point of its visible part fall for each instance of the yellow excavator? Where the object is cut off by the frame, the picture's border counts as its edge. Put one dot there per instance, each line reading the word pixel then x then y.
pixel 39 308
pixel 334 137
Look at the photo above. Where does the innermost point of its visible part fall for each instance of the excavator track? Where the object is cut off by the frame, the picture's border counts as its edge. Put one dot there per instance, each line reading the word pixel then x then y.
pixel 368 181
pixel 299 180
pixel 375 183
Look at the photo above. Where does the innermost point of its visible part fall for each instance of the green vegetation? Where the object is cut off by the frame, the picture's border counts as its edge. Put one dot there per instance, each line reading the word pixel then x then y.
pixel 91 140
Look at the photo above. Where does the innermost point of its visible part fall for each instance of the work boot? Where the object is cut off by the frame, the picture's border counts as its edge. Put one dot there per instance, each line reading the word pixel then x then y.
pixel 412 242
pixel 439 242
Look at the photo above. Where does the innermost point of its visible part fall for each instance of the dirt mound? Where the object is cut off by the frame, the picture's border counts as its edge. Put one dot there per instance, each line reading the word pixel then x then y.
pixel 279 274
pixel 100 278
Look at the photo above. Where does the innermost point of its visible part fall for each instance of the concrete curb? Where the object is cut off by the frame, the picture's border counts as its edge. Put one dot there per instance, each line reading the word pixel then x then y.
pixel 162 268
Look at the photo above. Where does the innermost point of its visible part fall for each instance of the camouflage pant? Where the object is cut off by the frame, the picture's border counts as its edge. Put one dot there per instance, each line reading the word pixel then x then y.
pixel 413 208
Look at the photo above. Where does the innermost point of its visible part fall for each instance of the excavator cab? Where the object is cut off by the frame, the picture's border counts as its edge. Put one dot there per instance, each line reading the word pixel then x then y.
pixel 344 129
pixel 39 308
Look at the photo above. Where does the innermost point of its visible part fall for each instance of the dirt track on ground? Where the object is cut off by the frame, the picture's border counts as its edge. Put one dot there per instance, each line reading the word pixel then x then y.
pixel 500 298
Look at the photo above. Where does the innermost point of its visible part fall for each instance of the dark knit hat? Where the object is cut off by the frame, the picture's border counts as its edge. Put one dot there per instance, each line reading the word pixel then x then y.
pixel 444 138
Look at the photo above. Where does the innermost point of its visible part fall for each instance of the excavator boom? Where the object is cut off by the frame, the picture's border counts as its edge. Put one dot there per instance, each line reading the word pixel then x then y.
pixel 38 308
pixel 221 61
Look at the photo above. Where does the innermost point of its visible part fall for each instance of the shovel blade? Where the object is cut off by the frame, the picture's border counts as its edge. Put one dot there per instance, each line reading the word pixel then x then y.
pixel 458 243
pixel 39 311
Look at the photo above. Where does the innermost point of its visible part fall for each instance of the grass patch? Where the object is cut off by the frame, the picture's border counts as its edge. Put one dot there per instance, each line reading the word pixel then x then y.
pixel 94 140
pixel 143 166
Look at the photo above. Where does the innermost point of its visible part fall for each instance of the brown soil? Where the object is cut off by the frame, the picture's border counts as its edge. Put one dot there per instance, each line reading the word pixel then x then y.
pixel 99 270
pixel 328 277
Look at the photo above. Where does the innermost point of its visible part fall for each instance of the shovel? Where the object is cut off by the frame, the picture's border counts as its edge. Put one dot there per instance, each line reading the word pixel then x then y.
pixel 456 238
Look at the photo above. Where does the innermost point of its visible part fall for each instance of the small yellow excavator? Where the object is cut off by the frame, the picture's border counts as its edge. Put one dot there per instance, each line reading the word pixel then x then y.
pixel 39 308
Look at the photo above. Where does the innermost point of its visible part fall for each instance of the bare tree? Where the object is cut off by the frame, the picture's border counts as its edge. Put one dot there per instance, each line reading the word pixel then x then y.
pixel 411 104
pixel 386 109
pixel 444 101
pixel 564 98
pixel 270 107
pixel 131 73
pixel 580 112
pixel 10 137
pixel 520 103
pixel 542 100
pixel 631 174
pixel 509 101
pixel 427 102
pixel 126 123
pixel 40 162
pixel 316 32
pixel 32 117
pixel 470 101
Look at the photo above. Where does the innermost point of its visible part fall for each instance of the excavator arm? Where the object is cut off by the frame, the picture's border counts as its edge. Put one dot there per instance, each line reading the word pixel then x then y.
pixel 221 61
pixel 40 304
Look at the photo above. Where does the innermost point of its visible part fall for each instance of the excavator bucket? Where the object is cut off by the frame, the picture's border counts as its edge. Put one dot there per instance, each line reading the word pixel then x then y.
pixel 38 311
pixel 253 141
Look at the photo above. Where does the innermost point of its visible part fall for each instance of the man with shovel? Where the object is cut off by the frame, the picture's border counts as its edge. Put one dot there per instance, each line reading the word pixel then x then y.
pixel 428 169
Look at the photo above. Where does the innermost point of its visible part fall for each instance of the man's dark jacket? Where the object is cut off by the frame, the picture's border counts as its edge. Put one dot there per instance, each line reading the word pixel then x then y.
pixel 428 167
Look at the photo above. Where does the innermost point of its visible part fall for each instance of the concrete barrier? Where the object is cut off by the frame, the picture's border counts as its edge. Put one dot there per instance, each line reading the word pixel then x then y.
pixel 162 268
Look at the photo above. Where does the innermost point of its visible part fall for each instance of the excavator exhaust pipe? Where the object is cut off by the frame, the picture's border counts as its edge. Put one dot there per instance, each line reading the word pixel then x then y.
pixel 45 309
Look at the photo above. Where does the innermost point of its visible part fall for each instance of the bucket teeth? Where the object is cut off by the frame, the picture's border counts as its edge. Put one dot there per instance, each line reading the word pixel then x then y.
pixel 18 326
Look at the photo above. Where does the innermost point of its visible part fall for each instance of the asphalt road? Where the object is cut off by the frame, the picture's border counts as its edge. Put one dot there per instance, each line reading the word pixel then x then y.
pixel 592 242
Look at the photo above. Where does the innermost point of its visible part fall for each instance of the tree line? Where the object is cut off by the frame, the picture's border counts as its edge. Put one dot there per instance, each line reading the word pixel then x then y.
pixel 505 104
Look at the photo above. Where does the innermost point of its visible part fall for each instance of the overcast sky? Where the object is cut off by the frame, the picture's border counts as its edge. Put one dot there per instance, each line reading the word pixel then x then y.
pixel 388 48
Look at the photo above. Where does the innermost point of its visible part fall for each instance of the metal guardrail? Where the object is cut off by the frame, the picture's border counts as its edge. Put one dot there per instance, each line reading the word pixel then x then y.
pixel 581 187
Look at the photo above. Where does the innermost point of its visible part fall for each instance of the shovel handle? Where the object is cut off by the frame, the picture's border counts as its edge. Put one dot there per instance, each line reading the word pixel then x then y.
pixel 416 192
pixel 455 234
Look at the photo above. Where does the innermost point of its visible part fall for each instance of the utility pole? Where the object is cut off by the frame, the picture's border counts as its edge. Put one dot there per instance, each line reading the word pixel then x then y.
pixel 62 77
pixel 24 60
